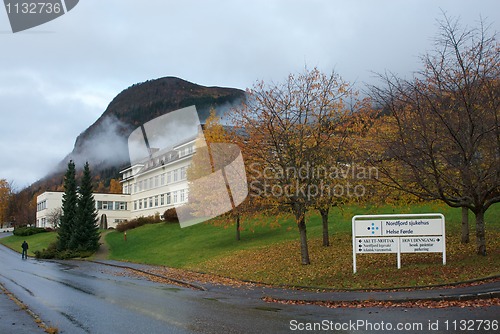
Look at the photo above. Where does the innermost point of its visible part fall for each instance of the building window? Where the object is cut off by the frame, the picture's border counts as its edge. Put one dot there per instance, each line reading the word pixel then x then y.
pixel 162 179
pixel 169 198
pixel 151 202
pixel 175 197
pixel 140 185
pixel 120 205
pixel 156 200
pixel 135 187
pixel 151 184
pixel 169 177
pixel 176 175
pixel 162 199
pixel 145 203
pixel 106 205
pixel 182 195
pixel 125 189
pixel 157 182
pixel 135 205
pixel 183 173
pixel 41 206
pixel 140 204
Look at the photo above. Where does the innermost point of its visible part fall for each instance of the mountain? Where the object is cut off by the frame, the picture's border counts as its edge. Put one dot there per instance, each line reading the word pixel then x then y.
pixel 104 143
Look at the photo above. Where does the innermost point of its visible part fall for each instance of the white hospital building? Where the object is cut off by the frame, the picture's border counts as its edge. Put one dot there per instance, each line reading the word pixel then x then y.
pixel 149 187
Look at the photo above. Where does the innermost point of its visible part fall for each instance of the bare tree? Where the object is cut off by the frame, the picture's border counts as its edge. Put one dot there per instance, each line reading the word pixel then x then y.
pixel 446 124
pixel 54 217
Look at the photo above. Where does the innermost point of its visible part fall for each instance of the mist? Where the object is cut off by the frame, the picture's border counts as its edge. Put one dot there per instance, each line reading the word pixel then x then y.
pixel 104 146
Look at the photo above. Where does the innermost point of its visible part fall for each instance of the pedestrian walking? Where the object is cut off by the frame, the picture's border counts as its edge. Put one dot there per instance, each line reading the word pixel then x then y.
pixel 25 250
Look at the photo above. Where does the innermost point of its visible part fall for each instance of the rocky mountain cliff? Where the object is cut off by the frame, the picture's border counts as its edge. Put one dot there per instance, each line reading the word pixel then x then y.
pixel 104 143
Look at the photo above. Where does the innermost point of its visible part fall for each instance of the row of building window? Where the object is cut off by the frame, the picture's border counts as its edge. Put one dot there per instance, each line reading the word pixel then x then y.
pixel 165 159
pixel 171 156
pixel 110 205
pixel 179 174
pixel 42 222
pixel 174 197
pixel 41 206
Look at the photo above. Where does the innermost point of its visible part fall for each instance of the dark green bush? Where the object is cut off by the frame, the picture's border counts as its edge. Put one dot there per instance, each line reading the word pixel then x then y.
pixel 27 231
pixel 47 253
pixel 51 252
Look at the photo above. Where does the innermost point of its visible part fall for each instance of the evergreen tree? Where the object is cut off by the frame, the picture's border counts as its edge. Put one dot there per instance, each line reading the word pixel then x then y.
pixel 69 203
pixel 85 236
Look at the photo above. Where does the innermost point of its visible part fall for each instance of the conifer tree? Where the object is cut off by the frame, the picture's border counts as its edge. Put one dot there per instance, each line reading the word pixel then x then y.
pixel 85 236
pixel 69 203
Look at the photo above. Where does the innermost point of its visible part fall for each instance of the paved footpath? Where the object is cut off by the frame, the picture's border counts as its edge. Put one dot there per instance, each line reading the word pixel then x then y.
pixel 14 318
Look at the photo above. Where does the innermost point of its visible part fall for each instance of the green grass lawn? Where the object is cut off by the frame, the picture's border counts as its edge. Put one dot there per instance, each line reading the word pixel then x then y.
pixel 270 252
pixel 35 242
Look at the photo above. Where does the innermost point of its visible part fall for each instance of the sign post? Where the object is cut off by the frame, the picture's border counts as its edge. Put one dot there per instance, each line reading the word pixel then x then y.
pixel 404 233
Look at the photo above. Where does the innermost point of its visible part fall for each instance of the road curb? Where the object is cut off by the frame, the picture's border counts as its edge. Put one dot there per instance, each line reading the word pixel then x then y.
pixel 185 283
pixel 462 297
pixel 413 288
pixel 36 319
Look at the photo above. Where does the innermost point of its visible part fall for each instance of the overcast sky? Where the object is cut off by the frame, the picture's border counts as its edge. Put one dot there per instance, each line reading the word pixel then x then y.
pixel 58 78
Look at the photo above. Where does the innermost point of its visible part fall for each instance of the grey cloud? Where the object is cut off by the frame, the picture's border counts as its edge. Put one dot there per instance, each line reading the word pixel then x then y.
pixel 56 78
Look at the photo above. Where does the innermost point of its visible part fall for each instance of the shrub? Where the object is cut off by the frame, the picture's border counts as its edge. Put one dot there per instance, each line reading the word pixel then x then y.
pixel 51 252
pixel 47 253
pixel 27 231
pixel 131 224
pixel 170 216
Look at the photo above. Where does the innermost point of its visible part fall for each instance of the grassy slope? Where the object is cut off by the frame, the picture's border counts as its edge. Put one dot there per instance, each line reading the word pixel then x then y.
pixel 35 242
pixel 271 254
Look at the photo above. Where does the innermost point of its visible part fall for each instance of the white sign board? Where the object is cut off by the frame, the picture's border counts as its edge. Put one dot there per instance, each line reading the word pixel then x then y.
pixel 410 233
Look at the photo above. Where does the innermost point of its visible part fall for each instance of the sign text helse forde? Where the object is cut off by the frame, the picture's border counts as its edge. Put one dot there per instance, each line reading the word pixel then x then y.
pixel 404 233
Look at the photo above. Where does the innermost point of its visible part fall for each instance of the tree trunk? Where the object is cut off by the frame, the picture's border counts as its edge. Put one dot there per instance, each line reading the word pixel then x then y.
pixel 324 219
pixel 480 233
pixel 304 250
pixel 238 236
pixel 465 225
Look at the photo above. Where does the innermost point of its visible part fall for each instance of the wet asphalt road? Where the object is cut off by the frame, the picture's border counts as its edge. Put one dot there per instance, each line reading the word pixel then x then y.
pixel 83 297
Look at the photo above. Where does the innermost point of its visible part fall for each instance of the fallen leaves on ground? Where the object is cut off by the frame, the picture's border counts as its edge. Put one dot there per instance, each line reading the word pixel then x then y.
pixel 331 267
pixel 475 303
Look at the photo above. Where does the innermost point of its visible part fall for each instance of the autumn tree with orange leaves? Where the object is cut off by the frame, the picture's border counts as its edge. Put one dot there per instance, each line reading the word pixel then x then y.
pixel 5 200
pixel 285 128
pixel 212 174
